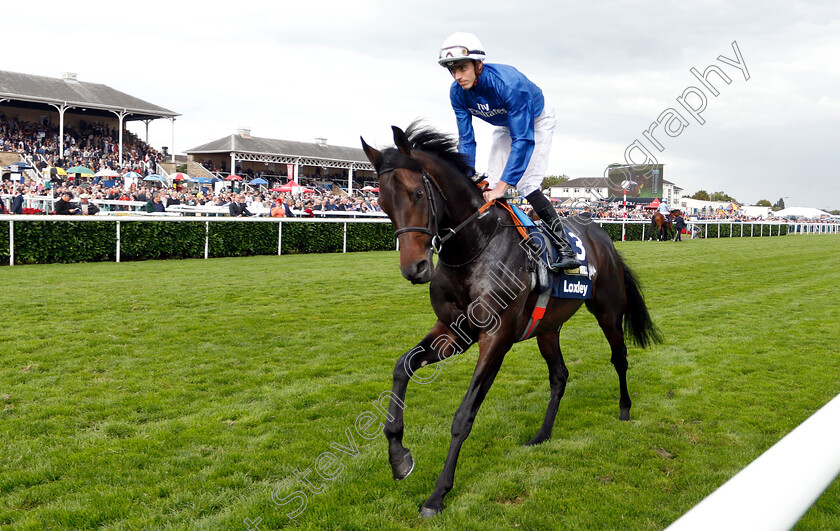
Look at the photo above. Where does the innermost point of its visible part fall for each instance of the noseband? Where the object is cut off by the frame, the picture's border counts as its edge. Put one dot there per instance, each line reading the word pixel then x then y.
pixel 433 228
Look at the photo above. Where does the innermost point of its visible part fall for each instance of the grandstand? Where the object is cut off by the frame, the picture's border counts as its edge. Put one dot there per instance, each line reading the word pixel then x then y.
pixel 314 164
pixel 67 102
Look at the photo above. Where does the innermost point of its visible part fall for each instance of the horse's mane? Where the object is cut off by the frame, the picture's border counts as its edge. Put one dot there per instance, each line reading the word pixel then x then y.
pixel 427 139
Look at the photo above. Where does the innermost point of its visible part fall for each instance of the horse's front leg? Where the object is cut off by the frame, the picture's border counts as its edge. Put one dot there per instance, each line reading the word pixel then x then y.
pixel 492 352
pixel 440 343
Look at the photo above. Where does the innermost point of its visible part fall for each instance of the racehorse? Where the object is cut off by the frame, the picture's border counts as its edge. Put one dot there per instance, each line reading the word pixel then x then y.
pixel 482 288
pixel 661 225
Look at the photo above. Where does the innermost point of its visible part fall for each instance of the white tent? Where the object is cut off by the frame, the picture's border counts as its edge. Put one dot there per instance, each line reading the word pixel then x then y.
pixel 755 211
pixel 801 212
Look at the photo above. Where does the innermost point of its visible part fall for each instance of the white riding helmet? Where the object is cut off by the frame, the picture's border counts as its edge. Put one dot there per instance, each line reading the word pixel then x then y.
pixel 460 47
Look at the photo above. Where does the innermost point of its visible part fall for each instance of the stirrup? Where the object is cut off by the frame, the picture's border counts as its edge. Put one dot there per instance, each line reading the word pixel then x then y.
pixel 564 262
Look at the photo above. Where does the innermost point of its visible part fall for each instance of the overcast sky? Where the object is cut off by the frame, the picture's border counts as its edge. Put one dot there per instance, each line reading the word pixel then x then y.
pixel 337 69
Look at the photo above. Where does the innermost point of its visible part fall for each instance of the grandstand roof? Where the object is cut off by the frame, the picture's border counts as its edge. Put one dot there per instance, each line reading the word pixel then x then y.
pixel 287 148
pixel 18 87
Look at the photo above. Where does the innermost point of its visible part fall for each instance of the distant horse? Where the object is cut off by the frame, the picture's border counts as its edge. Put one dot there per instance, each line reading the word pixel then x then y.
pixel 483 289
pixel 661 225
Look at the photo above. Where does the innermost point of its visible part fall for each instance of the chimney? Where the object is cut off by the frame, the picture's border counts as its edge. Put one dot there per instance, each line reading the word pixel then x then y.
pixel 244 132
pixel 321 141
pixel 69 77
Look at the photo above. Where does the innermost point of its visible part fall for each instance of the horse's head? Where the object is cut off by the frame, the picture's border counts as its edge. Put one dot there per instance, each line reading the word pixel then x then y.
pixel 407 195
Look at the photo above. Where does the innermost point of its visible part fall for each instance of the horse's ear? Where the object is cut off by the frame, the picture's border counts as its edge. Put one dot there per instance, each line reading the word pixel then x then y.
pixel 372 154
pixel 401 141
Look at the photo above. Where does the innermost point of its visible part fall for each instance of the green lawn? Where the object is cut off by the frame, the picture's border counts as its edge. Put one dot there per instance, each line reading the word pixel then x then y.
pixel 179 394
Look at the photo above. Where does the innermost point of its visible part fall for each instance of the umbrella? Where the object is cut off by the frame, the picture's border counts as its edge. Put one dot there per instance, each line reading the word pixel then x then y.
pixel 132 175
pixel 155 177
pixel 233 177
pixel 367 189
pixel 19 166
pixel 202 180
pixel 55 170
pixel 106 172
pixel 258 180
pixel 291 186
pixel 179 176
pixel 80 170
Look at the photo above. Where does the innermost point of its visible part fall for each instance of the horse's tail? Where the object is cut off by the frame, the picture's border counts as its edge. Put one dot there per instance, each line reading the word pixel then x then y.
pixel 637 321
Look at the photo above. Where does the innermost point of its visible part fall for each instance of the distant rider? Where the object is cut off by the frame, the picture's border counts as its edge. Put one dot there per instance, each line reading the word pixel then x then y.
pixel 502 96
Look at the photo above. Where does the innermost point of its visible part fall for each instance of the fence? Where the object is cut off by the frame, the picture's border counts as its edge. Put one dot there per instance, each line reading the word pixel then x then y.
pixel 774 491
pixel 120 220
pixel 618 229
pixel 117 207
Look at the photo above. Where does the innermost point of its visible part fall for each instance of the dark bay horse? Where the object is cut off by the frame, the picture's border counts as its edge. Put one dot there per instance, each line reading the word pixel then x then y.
pixel 661 225
pixel 483 288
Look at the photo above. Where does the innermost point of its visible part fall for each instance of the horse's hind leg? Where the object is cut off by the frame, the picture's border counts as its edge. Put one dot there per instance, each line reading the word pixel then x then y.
pixel 558 374
pixel 609 319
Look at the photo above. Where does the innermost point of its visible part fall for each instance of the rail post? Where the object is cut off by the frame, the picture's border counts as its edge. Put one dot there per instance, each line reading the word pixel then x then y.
pixel 279 238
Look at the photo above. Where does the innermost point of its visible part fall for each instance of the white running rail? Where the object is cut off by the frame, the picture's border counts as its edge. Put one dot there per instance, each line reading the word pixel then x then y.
pixel 774 491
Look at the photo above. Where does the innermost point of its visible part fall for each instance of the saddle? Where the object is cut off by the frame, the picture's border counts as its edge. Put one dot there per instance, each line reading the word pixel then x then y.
pixel 567 284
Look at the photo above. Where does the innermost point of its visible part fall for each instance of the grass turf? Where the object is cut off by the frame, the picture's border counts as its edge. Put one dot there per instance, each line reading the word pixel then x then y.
pixel 180 394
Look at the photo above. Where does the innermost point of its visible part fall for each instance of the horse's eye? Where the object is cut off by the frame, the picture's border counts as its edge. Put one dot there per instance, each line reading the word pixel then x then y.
pixel 418 195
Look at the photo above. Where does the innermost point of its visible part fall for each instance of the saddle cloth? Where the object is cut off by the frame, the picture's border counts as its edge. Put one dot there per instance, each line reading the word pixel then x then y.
pixel 567 284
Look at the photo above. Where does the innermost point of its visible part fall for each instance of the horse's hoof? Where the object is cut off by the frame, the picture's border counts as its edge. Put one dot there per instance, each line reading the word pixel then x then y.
pixel 426 512
pixel 624 415
pixel 537 440
pixel 403 466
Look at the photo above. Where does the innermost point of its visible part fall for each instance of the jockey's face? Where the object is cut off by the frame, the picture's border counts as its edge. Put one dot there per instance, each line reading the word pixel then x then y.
pixel 465 73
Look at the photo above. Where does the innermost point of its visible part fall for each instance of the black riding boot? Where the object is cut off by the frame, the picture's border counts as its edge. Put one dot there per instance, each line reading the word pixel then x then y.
pixel 567 258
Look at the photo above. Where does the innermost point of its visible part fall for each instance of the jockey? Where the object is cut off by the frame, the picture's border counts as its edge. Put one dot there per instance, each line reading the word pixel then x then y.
pixel 504 97
pixel 664 210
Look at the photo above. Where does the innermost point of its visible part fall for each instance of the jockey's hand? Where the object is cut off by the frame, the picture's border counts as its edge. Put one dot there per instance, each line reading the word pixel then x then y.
pixel 497 192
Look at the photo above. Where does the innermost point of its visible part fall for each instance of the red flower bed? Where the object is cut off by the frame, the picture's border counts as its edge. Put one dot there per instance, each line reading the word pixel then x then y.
pixel 32 211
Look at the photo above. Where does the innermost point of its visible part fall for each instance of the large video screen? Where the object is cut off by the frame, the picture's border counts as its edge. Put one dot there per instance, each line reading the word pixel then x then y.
pixel 639 180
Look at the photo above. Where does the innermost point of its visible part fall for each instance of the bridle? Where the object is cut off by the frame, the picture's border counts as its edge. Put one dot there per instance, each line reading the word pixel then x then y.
pixel 433 228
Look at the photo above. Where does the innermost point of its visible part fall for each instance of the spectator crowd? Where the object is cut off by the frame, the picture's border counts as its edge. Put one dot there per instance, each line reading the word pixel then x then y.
pixel 248 202
pixel 92 144
pixel 95 146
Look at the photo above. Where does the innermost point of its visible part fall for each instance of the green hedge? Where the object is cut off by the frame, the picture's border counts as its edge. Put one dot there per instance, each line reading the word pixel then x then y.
pixel 42 242
pixel 735 228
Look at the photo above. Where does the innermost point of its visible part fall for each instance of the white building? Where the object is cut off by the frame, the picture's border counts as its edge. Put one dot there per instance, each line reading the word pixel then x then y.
pixel 599 189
